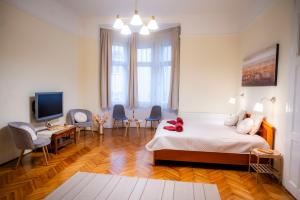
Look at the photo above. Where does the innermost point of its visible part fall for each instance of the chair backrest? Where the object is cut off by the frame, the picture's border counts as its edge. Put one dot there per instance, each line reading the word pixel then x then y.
pixel 22 138
pixel 156 112
pixel 118 111
pixel 70 115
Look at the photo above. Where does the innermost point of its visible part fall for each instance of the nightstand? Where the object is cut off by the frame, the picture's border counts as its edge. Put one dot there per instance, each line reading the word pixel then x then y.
pixel 265 167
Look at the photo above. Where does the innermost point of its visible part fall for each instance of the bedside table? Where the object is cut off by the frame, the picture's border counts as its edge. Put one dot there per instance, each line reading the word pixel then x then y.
pixel 265 168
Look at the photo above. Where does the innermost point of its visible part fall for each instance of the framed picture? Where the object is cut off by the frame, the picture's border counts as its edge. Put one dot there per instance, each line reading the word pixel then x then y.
pixel 260 69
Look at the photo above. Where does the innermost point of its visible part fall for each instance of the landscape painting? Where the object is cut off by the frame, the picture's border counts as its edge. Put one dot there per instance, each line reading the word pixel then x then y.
pixel 260 69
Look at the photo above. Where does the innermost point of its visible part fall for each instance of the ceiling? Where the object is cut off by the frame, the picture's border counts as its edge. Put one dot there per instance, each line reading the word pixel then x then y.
pixel 109 8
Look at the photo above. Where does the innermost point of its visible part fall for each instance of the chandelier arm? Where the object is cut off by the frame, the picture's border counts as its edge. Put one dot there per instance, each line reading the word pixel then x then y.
pixel 135 4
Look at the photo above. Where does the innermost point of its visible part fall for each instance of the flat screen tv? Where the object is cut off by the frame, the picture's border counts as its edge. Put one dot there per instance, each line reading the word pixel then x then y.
pixel 48 105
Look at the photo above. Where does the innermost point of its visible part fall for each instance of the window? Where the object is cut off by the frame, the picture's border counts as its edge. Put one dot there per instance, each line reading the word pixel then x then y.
pixel 154 72
pixel 166 63
pixel 119 74
pixel 144 62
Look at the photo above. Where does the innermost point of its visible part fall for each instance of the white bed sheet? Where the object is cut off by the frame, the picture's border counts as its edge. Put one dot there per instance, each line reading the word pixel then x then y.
pixel 205 135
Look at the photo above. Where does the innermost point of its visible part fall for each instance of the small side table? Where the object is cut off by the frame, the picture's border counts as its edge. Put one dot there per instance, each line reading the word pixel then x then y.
pixel 137 123
pixel 60 136
pixel 265 168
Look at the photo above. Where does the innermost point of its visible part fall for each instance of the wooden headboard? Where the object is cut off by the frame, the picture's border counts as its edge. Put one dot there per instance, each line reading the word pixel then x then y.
pixel 267 131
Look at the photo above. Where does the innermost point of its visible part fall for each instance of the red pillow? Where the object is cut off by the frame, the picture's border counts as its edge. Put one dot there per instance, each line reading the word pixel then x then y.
pixel 170 128
pixel 171 122
pixel 180 120
pixel 179 127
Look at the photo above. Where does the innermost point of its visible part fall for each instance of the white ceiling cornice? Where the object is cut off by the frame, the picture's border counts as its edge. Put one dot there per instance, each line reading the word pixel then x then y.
pixel 51 12
pixel 197 17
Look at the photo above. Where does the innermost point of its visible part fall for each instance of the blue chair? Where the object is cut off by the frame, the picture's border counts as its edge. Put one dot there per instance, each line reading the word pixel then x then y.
pixel 155 115
pixel 119 114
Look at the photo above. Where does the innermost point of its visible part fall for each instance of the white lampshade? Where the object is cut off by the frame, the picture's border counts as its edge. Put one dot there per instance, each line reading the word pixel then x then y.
pixel 118 23
pixel 152 25
pixel 144 30
pixel 136 19
pixel 232 100
pixel 258 107
pixel 125 30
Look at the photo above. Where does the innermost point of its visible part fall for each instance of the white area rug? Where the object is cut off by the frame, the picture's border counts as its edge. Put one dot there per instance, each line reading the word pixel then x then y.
pixel 85 186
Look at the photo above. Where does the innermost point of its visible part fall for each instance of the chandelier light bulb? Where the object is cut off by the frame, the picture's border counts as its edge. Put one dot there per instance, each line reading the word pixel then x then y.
pixel 152 25
pixel 118 23
pixel 136 19
pixel 125 30
pixel 144 30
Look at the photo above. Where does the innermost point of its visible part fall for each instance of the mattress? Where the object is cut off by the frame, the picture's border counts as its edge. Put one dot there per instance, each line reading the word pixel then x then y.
pixel 206 136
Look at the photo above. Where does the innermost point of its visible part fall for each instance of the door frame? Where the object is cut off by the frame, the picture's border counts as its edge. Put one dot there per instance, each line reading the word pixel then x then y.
pixel 295 63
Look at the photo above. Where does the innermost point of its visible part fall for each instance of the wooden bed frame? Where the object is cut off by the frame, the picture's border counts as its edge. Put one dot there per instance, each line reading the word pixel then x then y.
pixel 267 131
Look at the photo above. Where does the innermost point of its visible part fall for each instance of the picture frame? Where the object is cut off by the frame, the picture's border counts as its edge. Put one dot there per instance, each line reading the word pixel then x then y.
pixel 261 68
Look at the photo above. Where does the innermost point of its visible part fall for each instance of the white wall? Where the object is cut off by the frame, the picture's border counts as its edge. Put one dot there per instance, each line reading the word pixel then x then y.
pixel 209 73
pixel 34 56
pixel 274 26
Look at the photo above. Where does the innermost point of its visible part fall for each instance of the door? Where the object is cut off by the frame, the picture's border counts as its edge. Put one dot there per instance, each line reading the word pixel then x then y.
pixel 292 156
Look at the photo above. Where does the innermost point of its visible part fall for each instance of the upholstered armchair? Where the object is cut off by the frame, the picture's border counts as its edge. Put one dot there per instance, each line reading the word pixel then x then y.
pixel 86 122
pixel 25 138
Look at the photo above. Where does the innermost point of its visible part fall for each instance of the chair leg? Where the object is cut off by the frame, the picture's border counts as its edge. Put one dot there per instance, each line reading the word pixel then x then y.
pixel 20 158
pixel 47 152
pixel 114 122
pixel 145 123
pixel 45 156
pixel 78 133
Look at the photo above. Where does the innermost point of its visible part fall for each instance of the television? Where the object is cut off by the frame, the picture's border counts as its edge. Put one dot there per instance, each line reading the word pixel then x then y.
pixel 48 105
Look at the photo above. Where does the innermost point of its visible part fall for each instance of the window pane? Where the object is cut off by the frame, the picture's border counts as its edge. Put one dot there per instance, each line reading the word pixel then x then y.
pixel 166 83
pixel 118 53
pixel 144 55
pixel 118 89
pixel 119 75
pixel 166 53
pixel 144 84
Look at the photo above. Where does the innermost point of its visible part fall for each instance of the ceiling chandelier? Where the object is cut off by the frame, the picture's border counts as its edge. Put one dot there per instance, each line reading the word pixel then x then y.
pixel 137 22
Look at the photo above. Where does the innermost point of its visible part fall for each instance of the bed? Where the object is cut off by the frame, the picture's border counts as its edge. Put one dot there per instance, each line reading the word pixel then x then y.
pixel 208 141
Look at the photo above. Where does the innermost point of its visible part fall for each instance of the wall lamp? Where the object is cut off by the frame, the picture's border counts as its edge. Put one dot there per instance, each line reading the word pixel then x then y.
pixel 259 107
pixel 232 100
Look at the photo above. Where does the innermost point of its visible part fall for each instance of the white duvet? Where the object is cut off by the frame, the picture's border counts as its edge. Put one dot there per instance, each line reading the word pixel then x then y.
pixel 207 136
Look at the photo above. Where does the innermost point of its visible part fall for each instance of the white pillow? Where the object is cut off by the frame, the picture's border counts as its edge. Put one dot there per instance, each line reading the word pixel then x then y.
pixel 29 130
pixel 257 119
pixel 245 126
pixel 80 117
pixel 231 120
pixel 241 116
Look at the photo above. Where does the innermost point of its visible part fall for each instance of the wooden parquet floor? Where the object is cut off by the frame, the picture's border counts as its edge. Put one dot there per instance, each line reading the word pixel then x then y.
pixel 115 154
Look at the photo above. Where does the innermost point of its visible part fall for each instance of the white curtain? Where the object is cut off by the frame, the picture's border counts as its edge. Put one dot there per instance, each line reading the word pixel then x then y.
pixel 119 72
pixel 154 59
